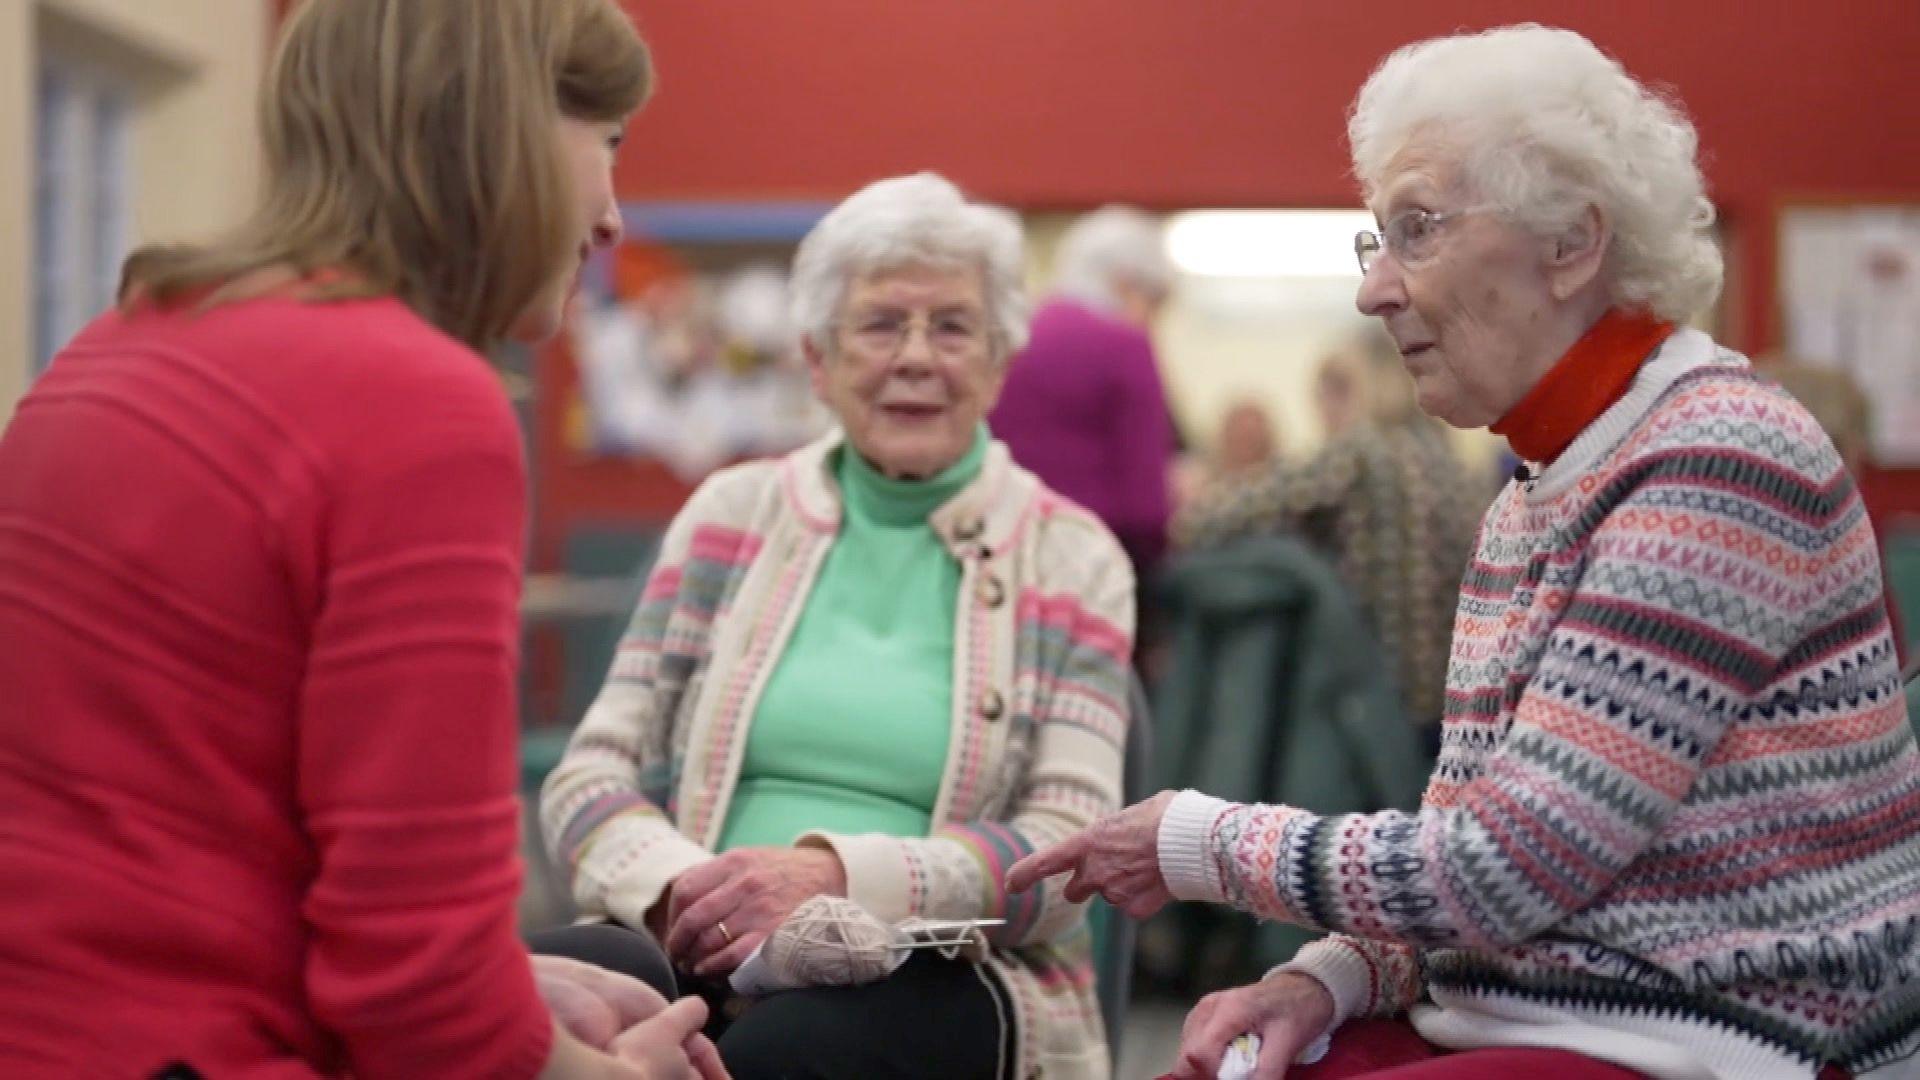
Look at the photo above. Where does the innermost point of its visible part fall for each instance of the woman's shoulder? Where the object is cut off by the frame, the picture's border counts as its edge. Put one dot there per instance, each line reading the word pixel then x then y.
pixel 347 385
pixel 1725 432
pixel 1075 564
pixel 1724 409
pixel 377 338
pixel 746 499
pixel 365 361
pixel 1069 537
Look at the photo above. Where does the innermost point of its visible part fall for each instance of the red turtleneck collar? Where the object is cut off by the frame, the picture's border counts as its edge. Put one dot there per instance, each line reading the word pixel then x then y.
pixel 1581 385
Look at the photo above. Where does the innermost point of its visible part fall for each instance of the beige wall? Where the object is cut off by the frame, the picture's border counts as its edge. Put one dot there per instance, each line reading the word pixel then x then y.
pixel 195 65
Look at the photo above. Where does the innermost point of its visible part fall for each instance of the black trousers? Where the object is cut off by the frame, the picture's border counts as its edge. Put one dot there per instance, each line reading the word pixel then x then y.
pixel 933 1017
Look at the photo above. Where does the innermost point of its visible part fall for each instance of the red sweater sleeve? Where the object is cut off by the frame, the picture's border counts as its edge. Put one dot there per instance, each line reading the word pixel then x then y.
pixel 407 760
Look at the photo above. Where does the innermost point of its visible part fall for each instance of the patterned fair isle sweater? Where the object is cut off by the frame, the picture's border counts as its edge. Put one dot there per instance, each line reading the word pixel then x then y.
pixel 1673 824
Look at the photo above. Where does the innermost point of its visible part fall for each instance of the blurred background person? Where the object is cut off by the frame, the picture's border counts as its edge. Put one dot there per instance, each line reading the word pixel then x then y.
pixel 1085 407
pixel 1386 500
pixel 261 553
pixel 1246 443
pixel 1345 392
pixel 950 694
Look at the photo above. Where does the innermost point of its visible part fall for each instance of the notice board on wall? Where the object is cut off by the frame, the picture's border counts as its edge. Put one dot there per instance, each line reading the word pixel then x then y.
pixel 1850 298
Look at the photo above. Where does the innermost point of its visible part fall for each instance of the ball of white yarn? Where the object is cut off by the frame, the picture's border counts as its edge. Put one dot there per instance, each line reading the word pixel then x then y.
pixel 831 941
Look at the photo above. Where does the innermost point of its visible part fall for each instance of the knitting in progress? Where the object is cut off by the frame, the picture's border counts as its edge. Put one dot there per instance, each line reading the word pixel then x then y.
pixel 832 941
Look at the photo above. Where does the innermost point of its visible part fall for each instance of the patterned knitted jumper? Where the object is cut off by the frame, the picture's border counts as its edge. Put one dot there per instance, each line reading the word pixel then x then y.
pixel 1673 824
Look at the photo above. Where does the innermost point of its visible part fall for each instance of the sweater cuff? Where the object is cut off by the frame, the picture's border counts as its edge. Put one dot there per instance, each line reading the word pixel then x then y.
pixel 876 866
pixel 1344 970
pixel 1186 862
pixel 628 865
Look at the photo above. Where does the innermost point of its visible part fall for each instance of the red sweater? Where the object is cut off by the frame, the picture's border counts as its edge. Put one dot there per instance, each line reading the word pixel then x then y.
pixel 258 581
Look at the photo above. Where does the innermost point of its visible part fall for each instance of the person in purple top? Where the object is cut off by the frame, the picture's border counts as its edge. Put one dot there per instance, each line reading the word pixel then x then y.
pixel 1083 406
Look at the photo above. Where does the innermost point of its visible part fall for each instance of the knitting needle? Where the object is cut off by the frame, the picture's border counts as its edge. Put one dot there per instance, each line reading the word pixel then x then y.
pixel 948 926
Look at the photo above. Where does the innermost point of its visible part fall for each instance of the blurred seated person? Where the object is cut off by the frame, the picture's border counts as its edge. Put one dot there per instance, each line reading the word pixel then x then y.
pixel 1344 390
pixel 1085 406
pixel 1671 833
pixel 882 667
pixel 1246 442
pixel 1385 499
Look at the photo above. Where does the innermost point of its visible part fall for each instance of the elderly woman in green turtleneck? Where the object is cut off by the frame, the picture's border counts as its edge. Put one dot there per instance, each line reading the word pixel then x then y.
pixel 884 667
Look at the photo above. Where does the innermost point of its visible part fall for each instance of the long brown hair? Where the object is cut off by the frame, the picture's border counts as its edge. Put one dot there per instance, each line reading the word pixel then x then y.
pixel 410 145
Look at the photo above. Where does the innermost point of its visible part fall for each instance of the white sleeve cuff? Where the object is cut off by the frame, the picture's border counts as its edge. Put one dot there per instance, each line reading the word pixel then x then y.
pixel 878 876
pixel 1343 970
pixel 1186 860
pixel 628 865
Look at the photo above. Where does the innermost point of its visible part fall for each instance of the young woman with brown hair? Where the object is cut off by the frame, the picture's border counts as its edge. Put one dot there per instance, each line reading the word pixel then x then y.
pixel 260 547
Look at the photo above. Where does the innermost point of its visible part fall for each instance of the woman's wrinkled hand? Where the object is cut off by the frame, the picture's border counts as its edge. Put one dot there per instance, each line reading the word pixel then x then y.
pixel 1117 857
pixel 722 909
pixel 1288 1010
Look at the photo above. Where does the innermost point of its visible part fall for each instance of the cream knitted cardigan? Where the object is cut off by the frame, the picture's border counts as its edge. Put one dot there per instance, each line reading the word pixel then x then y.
pixel 1044 631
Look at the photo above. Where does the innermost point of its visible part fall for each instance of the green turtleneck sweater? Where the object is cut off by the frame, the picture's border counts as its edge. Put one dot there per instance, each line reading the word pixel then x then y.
pixel 852 732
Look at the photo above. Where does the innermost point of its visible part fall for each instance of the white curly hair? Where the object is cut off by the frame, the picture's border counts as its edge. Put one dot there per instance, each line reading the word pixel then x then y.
pixel 1543 125
pixel 920 220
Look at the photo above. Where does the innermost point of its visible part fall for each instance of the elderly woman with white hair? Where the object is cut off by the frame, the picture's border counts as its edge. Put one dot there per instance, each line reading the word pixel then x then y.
pixel 1672 828
pixel 884 667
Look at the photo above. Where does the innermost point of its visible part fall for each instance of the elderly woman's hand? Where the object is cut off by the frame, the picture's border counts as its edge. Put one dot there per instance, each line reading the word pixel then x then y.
pixel 1117 857
pixel 1287 1010
pixel 722 909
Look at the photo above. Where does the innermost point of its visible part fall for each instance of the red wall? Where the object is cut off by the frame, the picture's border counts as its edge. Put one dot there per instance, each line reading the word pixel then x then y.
pixel 1172 103
pixel 1063 103
pixel 1168 103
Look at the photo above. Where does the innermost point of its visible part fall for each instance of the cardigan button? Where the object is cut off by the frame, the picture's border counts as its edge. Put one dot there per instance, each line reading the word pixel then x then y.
pixel 991 706
pixel 990 591
pixel 969 529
